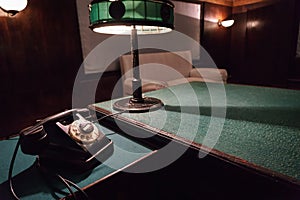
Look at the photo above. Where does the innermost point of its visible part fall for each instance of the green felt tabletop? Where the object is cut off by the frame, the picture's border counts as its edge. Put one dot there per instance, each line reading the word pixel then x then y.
pixel 29 184
pixel 260 127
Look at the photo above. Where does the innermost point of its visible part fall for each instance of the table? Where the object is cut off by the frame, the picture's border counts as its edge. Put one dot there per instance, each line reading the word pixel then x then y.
pixel 260 133
pixel 260 129
pixel 30 184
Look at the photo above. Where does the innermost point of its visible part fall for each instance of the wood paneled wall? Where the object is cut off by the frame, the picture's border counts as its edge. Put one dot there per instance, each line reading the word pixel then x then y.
pixel 259 49
pixel 214 38
pixel 263 43
pixel 40 54
pixel 39 57
pixel 294 72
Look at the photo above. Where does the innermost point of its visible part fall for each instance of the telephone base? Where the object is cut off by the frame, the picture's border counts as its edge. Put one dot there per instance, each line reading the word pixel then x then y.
pixel 62 159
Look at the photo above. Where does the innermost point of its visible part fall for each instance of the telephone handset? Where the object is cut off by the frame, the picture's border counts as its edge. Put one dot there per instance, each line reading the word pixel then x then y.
pixel 66 142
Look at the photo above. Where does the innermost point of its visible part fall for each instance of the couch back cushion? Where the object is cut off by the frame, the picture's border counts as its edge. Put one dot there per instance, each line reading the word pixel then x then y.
pixel 163 66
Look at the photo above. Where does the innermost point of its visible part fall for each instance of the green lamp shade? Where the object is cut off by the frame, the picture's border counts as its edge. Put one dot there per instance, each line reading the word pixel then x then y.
pixel 117 17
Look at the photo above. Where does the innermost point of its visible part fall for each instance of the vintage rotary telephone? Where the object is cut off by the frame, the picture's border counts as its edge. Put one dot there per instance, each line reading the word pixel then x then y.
pixel 66 141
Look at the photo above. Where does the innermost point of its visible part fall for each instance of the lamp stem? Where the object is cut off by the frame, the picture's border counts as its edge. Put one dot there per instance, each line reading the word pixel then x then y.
pixel 137 103
pixel 136 82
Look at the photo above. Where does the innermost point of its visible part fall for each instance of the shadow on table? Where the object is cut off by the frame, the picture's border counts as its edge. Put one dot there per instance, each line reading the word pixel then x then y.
pixel 284 116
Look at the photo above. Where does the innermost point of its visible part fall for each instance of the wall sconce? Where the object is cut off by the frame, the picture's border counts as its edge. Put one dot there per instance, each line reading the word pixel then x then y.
pixel 226 23
pixel 12 7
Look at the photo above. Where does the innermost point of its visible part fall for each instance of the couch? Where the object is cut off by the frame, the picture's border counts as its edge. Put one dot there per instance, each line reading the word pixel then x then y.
pixel 164 69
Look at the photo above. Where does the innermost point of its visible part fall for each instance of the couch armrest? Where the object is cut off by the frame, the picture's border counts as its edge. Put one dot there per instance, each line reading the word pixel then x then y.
pixel 211 74
pixel 147 85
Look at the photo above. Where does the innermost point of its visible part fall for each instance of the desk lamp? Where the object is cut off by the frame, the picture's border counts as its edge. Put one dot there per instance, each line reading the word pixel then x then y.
pixel 133 17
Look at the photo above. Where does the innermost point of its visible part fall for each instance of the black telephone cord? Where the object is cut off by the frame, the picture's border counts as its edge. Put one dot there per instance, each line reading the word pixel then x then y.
pixel 65 181
pixel 11 166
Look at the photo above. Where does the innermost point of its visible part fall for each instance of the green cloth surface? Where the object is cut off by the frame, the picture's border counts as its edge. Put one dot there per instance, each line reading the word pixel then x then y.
pixel 261 125
pixel 29 184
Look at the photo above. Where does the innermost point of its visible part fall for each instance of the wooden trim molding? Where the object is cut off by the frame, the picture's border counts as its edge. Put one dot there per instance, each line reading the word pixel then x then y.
pixel 220 2
pixel 232 3
pixel 247 2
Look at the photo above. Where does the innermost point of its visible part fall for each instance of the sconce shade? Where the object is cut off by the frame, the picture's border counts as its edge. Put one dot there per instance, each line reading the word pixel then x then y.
pixel 13 6
pixel 226 23
pixel 117 17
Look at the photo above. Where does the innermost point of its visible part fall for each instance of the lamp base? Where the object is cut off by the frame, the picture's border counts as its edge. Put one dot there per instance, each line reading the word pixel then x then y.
pixel 149 103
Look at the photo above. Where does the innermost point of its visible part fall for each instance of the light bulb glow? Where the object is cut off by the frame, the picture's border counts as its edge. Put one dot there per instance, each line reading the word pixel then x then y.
pixel 13 5
pixel 126 30
pixel 227 23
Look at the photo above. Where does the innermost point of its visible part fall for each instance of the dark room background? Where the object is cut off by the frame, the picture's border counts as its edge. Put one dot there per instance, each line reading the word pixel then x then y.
pixel 40 54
